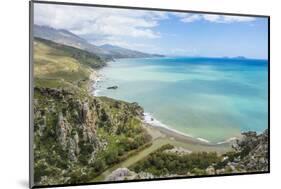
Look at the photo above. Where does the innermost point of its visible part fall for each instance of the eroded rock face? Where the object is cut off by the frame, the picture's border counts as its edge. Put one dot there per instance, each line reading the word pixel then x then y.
pixel 66 128
pixel 71 121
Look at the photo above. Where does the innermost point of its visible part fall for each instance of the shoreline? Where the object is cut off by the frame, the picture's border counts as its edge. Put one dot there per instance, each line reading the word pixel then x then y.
pixel 95 77
pixel 158 130
pixel 150 120
pixel 178 136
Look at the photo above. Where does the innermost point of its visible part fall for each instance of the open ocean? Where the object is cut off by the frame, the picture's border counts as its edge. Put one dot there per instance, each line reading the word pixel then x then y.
pixel 212 99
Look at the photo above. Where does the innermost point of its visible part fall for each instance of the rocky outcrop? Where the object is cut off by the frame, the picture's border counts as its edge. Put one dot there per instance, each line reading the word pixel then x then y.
pixel 137 109
pixel 126 174
pixel 113 87
pixel 121 174
pixel 62 131
pixel 250 154
pixel 253 151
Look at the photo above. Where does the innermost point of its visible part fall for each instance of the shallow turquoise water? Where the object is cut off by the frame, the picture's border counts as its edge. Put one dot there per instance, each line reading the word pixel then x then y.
pixel 210 98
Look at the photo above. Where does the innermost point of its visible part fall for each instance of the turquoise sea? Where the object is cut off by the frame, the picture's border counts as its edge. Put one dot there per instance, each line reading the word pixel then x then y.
pixel 208 98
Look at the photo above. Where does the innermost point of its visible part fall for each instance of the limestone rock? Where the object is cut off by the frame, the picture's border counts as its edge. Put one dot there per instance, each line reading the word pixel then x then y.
pixel 71 150
pixel 121 174
pixel 126 174
pixel 62 129
pixel 210 170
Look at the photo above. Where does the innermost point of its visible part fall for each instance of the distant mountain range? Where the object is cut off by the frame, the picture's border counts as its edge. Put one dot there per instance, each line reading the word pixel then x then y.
pixel 120 52
pixel 106 52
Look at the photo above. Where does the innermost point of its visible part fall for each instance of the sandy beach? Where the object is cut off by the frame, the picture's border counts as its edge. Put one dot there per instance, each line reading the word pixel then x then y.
pixel 180 140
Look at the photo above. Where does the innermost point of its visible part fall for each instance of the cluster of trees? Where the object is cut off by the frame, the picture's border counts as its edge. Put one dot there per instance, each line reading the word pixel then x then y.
pixel 163 162
pixel 129 143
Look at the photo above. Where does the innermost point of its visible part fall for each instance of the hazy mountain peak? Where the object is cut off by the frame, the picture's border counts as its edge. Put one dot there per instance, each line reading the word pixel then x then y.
pixel 65 37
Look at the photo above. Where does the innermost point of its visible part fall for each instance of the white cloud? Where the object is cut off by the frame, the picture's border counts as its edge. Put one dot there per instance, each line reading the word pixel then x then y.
pixel 211 17
pixel 115 22
pixel 192 17
pixel 119 26
pixel 99 21
pixel 227 19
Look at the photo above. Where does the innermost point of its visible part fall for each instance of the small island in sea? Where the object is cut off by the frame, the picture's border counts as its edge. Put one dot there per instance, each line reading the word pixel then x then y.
pixel 107 112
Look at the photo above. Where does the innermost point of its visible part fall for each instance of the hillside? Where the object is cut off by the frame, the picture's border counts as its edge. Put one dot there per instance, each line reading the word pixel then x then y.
pixel 77 136
pixel 67 38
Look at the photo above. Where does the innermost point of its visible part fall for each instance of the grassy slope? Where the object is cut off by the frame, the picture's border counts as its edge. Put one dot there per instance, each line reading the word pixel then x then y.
pixel 59 66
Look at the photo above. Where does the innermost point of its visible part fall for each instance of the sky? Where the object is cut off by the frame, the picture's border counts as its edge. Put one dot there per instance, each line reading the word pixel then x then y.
pixel 168 33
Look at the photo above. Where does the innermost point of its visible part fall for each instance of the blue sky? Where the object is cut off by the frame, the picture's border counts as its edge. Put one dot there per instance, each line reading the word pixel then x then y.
pixel 206 38
pixel 169 33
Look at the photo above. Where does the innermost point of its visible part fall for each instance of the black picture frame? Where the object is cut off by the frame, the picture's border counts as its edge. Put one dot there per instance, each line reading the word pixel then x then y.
pixel 31 37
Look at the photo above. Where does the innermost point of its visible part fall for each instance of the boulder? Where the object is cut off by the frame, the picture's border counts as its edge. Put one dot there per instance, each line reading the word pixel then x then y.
pixel 121 174
pixel 210 170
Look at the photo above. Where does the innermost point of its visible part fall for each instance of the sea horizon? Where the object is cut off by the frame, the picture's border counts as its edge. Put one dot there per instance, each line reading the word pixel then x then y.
pixel 197 56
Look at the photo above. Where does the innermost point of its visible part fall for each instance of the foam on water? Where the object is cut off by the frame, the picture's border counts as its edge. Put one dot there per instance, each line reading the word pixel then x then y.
pixel 149 119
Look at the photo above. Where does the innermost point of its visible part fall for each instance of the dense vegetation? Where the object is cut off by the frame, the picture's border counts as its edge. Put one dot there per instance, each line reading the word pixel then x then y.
pixel 163 162
pixel 77 136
